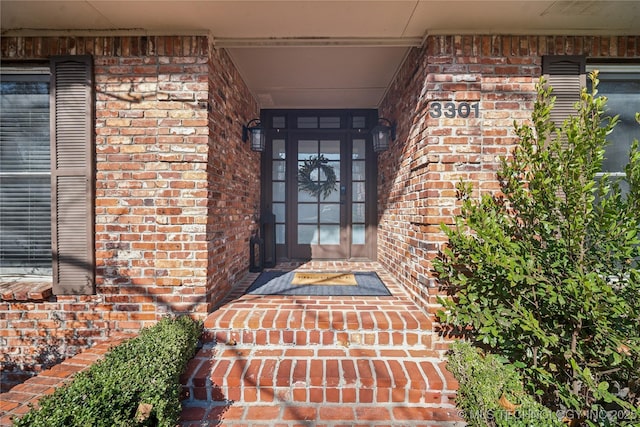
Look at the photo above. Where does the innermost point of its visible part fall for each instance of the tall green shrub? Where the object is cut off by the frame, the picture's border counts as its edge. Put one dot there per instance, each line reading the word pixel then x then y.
pixel 490 392
pixel 546 273
pixel 136 384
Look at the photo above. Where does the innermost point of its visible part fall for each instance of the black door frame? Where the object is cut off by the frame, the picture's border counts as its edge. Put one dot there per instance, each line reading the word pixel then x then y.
pixel 345 124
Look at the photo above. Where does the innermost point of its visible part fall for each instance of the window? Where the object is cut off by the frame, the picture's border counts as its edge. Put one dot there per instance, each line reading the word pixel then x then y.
pixel 46 173
pixel 621 85
pixel 25 175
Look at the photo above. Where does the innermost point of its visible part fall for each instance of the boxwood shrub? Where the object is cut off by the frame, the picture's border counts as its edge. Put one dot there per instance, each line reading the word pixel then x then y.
pixel 136 384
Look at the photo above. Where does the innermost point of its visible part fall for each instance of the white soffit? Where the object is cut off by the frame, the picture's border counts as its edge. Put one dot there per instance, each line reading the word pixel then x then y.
pixel 599 17
pixel 294 77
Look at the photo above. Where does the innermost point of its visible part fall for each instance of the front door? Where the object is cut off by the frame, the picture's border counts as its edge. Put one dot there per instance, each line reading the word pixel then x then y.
pixel 320 183
pixel 318 197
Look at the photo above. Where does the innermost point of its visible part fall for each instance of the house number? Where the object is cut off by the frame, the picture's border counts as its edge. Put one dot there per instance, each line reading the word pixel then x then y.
pixel 454 109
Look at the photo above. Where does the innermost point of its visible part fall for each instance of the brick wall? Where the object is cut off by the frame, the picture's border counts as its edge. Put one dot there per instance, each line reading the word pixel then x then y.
pixel 176 193
pixel 234 178
pixel 417 176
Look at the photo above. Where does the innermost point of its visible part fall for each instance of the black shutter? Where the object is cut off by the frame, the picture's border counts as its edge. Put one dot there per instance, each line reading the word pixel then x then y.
pixel 72 176
pixel 566 75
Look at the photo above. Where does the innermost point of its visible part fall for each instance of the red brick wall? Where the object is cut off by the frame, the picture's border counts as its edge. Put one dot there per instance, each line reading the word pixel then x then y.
pixel 234 178
pixel 176 192
pixel 417 176
pixel 35 335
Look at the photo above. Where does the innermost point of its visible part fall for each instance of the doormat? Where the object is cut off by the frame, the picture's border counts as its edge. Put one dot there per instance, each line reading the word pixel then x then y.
pixel 281 283
pixel 324 279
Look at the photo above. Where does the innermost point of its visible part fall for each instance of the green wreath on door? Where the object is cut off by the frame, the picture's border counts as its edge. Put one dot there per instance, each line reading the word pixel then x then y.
pixel 315 187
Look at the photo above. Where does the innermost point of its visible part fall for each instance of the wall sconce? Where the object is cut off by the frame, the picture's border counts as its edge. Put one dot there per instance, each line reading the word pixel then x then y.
pixel 382 134
pixel 254 131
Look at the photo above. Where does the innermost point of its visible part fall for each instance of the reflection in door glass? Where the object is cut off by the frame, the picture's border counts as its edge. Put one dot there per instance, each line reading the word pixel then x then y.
pixel 358 235
pixel 279 170
pixel 278 186
pixel 330 213
pixel 278 191
pixel 278 211
pixel 307 213
pixel 278 149
pixel 357 170
pixel 329 234
pixel 330 123
pixel 308 122
pixel 307 235
pixel 280 230
pixel 318 204
pixel 357 213
pixel 358 191
pixel 359 149
pixel 307 149
pixel 358 196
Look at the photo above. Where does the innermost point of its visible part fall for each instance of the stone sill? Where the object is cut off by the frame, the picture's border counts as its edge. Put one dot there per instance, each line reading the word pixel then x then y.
pixel 25 288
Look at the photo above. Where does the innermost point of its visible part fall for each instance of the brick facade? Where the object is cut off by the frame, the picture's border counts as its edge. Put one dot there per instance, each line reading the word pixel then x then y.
pixel 177 193
pixel 417 176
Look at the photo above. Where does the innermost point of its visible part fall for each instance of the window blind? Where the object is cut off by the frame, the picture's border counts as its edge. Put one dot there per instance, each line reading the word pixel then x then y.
pixel 25 178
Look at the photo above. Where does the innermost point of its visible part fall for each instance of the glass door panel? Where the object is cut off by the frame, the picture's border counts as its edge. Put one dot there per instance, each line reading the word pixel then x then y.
pixel 358 192
pixel 278 187
pixel 320 215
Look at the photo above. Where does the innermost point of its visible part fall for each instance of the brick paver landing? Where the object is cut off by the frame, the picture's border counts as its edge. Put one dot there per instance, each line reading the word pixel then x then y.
pixel 311 361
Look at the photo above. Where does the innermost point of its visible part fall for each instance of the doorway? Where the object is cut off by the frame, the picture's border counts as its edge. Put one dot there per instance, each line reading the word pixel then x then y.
pixel 319 181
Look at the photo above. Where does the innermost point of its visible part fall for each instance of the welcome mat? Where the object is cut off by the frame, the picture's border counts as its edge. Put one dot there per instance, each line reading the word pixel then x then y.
pixel 310 284
pixel 324 279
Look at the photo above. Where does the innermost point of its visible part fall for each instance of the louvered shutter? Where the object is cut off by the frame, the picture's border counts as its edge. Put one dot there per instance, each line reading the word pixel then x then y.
pixel 566 75
pixel 72 181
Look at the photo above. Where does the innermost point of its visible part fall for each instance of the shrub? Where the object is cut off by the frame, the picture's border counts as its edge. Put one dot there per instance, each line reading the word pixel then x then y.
pixel 136 384
pixel 546 273
pixel 491 393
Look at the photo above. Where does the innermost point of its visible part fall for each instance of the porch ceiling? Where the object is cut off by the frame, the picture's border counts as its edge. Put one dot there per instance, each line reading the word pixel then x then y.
pixel 319 54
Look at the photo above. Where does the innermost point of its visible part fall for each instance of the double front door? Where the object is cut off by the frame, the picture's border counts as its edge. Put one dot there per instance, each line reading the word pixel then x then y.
pixel 322 190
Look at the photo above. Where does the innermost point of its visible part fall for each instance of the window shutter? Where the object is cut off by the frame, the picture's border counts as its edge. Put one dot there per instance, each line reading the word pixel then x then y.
pixel 72 176
pixel 566 75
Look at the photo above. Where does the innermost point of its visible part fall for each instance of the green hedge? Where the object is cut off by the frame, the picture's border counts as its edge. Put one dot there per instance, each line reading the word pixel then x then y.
pixel 136 384
pixel 491 392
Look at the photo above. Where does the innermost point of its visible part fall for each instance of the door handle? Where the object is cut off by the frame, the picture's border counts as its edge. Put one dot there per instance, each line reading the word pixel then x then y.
pixel 343 194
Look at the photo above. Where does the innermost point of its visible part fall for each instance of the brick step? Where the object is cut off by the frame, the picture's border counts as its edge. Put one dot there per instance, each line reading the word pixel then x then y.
pixel 312 323
pixel 277 337
pixel 261 375
pixel 301 414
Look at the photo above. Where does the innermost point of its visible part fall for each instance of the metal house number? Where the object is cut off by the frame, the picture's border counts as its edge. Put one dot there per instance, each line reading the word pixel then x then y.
pixel 452 109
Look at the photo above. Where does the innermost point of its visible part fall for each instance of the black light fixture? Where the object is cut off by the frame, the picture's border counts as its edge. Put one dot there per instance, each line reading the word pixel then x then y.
pixel 255 131
pixel 384 132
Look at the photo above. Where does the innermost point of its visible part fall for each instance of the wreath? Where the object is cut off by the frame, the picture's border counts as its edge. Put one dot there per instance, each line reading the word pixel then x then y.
pixel 313 187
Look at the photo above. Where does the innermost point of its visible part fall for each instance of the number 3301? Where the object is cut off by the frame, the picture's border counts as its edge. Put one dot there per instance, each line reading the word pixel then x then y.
pixel 451 110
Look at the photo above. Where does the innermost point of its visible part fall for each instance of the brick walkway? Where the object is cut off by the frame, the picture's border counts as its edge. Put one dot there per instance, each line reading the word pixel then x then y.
pixel 300 361
pixel 320 361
